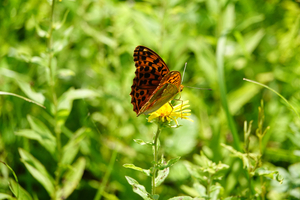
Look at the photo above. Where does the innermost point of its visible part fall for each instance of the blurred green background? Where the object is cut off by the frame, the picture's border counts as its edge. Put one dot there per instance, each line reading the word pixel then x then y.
pixel 86 89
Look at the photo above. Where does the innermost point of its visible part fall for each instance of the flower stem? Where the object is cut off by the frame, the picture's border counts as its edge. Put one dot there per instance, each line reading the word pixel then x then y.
pixel 155 153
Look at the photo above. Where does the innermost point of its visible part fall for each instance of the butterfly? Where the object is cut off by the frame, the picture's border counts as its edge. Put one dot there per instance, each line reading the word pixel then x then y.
pixel 154 84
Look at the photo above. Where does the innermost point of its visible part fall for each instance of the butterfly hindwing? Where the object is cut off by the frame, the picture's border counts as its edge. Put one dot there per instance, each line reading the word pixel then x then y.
pixel 168 88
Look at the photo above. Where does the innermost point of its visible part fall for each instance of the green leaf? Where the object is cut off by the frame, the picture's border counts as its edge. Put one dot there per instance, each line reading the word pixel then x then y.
pixel 200 189
pixel 58 45
pixel 284 99
pixel 42 61
pixel 25 87
pixel 242 156
pixel 23 194
pixel 185 198
pixel 192 169
pixel 40 31
pixel 6 196
pixel 141 142
pixel 71 179
pixel 12 171
pixel 65 73
pixel 253 39
pixel 71 149
pixel 139 189
pixel 132 166
pixel 215 191
pixel 232 198
pixel 101 37
pixel 169 163
pixel 192 191
pixel 270 174
pixel 65 102
pixel 37 170
pixel 58 25
pixel 161 176
pixel 45 137
pixel 12 74
pixel 21 97
pixel 216 170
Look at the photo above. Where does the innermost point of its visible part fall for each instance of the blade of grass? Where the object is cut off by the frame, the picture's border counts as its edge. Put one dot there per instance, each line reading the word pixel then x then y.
pixel 223 91
pixel 284 99
pixel 107 174
pixel 21 97
pixel 16 178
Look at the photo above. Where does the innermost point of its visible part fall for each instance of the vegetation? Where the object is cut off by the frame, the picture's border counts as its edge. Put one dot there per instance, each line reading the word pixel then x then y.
pixel 67 127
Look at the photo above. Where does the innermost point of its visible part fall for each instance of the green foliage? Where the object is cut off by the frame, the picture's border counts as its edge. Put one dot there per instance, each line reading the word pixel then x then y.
pixel 206 176
pixel 66 121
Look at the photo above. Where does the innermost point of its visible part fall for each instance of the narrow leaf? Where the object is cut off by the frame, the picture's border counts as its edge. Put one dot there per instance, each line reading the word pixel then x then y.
pixel 26 88
pixel 58 25
pixel 21 97
pixel 65 102
pixel 284 99
pixel 71 149
pixel 46 138
pixel 132 166
pixel 139 189
pixel 169 163
pixel 185 198
pixel 161 176
pixel 37 170
pixel 5 196
pixel 141 142
pixel 22 194
pixel 269 173
pixel 71 179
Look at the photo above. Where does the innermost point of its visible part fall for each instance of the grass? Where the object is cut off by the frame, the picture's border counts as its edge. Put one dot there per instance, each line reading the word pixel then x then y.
pixel 75 59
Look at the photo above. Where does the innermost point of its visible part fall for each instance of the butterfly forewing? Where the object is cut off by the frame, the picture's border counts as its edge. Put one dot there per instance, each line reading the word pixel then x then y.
pixel 150 69
pixel 153 84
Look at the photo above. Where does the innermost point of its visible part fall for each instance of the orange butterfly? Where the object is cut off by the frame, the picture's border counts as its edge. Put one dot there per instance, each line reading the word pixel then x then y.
pixel 154 84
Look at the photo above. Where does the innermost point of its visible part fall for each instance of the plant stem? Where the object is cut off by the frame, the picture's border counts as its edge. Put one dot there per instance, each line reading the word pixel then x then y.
pixel 57 128
pixel 107 174
pixel 52 83
pixel 155 153
pixel 208 186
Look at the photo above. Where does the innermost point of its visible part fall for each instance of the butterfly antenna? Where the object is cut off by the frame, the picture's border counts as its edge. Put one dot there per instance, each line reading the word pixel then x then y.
pixel 190 86
pixel 183 72
pixel 198 88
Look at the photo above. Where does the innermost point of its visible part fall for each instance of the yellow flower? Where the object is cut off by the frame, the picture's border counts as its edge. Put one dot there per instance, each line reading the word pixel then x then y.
pixel 167 113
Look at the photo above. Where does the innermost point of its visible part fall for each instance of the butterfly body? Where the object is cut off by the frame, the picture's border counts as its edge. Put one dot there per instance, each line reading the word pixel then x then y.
pixel 154 84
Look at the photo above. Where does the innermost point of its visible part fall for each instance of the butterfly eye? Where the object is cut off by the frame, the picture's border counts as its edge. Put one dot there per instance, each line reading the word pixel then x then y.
pixel 181 88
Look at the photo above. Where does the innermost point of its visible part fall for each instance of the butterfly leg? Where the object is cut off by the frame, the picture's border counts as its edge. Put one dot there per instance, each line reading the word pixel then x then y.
pixel 179 99
pixel 171 106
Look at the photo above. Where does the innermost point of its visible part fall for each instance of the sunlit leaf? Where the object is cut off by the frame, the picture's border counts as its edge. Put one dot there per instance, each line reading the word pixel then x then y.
pixel 141 142
pixel 37 170
pixel 71 149
pixel 139 189
pixel 71 179
pixel 185 198
pixel 23 194
pixel 161 176
pixel 24 98
pixel 132 166
pixel 169 163
pixel 38 97
pixel 270 174
pixel 45 137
